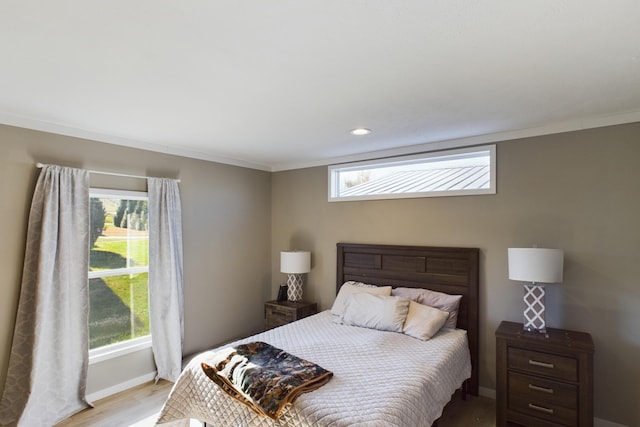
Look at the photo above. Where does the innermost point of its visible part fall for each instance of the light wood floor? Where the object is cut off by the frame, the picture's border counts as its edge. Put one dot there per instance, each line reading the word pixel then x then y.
pixel 139 407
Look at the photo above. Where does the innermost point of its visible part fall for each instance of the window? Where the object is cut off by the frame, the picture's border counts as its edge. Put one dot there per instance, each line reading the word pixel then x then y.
pixel 469 171
pixel 118 273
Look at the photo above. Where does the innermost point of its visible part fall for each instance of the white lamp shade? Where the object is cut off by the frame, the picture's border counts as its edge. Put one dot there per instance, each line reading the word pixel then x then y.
pixel 536 265
pixel 296 262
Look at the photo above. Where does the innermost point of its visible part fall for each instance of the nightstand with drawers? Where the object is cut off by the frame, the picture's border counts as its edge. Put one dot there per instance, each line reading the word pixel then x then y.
pixel 278 313
pixel 543 379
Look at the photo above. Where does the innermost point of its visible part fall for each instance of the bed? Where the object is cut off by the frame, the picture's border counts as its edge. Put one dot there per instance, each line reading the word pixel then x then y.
pixel 379 377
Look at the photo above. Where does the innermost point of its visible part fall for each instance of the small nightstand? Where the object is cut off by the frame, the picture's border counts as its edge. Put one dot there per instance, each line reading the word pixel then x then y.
pixel 543 379
pixel 278 313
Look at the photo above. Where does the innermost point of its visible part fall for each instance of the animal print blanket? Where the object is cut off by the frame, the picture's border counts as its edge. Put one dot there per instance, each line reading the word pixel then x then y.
pixel 263 377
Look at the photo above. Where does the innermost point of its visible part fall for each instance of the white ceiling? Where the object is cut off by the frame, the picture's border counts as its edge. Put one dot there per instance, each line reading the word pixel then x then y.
pixel 278 84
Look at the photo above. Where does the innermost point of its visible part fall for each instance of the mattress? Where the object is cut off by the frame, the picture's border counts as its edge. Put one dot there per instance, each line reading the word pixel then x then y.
pixel 380 378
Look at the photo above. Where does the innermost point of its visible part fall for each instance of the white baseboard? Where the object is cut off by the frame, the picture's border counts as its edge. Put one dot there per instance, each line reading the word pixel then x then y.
pixel 101 394
pixel 487 392
pixel 597 422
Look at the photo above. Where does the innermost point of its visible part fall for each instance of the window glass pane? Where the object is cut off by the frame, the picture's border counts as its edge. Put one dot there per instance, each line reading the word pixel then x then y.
pixel 119 309
pixel 118 270
pixel 448 173
pixel 119 233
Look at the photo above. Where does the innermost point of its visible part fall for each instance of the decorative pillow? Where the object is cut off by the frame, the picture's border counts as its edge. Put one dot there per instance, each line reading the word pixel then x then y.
pixel 384 313
pixel 439 300
pixel 349 288
pixel 423 321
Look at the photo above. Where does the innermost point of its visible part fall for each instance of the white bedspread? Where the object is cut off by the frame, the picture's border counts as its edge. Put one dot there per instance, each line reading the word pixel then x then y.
pixel 380 378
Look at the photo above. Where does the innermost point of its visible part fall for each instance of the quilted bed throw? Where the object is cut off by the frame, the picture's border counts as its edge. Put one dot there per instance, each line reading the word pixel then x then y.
pixel 264 377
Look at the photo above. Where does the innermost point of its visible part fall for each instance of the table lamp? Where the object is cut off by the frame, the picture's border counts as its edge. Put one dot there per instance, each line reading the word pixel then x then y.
pixel 295 264
pixel 538 266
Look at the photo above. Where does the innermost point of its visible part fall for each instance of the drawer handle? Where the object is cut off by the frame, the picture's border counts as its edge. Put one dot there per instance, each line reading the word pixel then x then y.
pixel 541 364
pixel 542 389
pixel 278 313
pixel 540 408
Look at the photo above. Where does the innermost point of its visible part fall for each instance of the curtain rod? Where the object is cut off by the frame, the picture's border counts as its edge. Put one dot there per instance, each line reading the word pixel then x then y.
pixel 40 165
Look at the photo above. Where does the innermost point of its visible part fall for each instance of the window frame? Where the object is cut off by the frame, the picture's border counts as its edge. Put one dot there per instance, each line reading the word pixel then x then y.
pixel 121 348
pixel 334 171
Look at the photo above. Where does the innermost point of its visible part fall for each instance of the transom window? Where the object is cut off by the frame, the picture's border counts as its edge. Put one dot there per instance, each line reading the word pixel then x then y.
pixel 469 171
pixel 118 271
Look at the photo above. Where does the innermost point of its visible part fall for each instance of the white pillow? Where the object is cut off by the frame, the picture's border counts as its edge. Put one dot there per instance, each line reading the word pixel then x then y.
pixel 439 300
pixel 423 321
pixel 349 288
pixel 384 313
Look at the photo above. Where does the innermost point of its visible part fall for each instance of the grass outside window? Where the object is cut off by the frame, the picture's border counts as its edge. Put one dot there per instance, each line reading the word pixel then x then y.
pixel 118 271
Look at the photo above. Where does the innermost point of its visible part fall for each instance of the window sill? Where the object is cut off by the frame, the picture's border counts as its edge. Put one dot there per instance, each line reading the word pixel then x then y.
pixel 119 349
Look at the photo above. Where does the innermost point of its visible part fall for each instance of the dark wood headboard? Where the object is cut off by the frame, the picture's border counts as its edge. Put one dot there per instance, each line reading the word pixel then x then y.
pixel 442 269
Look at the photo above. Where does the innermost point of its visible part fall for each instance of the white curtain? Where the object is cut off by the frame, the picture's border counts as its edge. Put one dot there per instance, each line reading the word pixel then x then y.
pixel 47 372
pixel 165 276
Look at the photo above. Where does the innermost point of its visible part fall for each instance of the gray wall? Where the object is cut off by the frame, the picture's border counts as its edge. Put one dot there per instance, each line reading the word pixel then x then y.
pixel 226 232
pixel 577 191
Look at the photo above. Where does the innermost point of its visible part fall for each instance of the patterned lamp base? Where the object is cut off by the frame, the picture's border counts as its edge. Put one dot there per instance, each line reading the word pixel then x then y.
pixel 534 308
pixel 294 287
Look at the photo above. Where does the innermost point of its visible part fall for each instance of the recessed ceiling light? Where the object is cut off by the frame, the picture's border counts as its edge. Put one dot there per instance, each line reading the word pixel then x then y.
pixel 360 131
